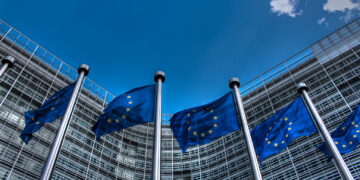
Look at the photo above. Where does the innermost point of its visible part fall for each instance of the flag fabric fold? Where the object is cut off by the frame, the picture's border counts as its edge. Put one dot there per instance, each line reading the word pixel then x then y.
pixel 52 109
pixel 129 109
pixel 277 132
pixel 203 124
pixel 347 135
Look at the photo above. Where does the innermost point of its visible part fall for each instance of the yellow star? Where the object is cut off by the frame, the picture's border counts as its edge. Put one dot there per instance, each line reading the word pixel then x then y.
pixel 282 142
pixel 130 102
pixel 117 120
pixel 290 123
pixel 52 108
pixel 269 142
pixel 287 135
pixel 266 139
pixel 336 142
pixel 33 118
pixel 215 117
pixel 354 136
pixel 289 128
pixel 210 131
pixel 344 146
pixel 275 144
pixel 350 142
pixel 202 134
pixel 38 122
pixel 270 128
pixel 189 128
pixel 187 122
pixel 109 120
pixel 127 109
pixel 285 119
pixel 356 125
pixel 123 116
pixel 353 122
pixel 128 97
pixel 215 125
pixel 195 133
pixel 188 114
pixel 102 112
pixel 358 131
pixel 343 128
pixel 211 110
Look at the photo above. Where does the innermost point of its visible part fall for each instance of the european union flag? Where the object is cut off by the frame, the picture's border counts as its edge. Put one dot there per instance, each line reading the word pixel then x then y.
pixel 277 132
pixel 52 109
pixel 129 109
pixel 203 124
pixel 347 135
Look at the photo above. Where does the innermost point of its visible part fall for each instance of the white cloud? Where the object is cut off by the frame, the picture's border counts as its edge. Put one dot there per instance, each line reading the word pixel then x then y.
pixel 285 7
pixel 322 21
pixel 340 5
pixel 347 7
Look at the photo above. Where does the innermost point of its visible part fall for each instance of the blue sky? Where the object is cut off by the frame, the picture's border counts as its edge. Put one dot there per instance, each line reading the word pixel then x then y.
pixel 199 44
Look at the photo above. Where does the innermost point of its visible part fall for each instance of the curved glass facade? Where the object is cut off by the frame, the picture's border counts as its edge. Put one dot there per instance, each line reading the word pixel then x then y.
pixel 330 67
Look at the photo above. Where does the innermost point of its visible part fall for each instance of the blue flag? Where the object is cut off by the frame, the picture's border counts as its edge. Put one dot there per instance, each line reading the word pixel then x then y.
pixel 52 109
pixel 347 135
pixel 129 109
pixel 203 124
pixel 277 132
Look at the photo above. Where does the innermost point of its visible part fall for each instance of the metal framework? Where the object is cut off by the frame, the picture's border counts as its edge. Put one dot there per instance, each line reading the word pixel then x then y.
pixel 330 67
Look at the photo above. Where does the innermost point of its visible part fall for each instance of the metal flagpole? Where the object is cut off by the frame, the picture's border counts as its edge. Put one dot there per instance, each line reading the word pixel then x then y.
pixel 234 84
pixel 8 61
pixel 159 79
pixel 339 162
pixel 55 148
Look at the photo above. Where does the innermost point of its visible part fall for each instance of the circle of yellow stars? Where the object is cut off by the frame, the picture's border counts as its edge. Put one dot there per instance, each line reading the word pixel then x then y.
pixel 202 134
pixel 130 102
pixel 354 136
pixel 276 144
pixel 51 109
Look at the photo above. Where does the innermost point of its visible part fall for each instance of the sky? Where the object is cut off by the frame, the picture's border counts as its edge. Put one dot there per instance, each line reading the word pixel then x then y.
pixel 199 44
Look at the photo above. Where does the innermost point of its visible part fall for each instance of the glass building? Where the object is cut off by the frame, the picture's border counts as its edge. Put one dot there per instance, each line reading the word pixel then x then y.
pixel 330 67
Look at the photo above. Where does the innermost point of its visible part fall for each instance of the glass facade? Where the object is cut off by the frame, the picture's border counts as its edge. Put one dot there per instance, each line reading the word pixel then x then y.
pixel 330 67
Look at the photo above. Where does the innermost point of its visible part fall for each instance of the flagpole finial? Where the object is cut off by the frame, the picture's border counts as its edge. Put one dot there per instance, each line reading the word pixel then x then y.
pixel 10 60
pixel 159 75
pixel 302 86
pixel 84 68
pixel 234 81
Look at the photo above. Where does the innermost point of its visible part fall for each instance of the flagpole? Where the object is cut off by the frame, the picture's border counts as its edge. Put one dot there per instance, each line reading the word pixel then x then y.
pixel 55 148
pixel 339 161
pixel 234 84
pixel 159 79
pixel 7 61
